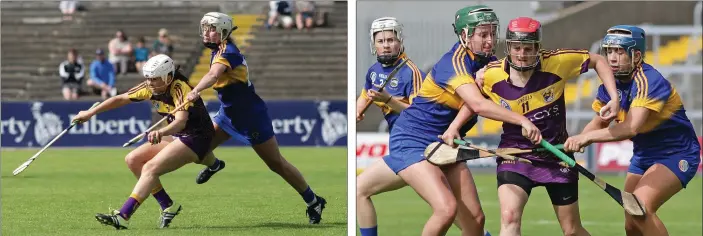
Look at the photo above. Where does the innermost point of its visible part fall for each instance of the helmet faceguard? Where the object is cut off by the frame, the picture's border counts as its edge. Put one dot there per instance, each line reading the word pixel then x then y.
pixel 222 23
pixel 624 39
pixel 159 67
pixel 468 19
pixel 386 24
pixel 523 30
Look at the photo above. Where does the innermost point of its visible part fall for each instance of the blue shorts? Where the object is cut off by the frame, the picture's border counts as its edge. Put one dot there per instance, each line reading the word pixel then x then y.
pixel 251 128
pixel 407 148
pixel 683 166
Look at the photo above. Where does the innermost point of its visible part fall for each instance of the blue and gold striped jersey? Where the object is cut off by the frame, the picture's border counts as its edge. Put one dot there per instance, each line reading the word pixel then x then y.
pixel 437 104
pixel 234 89
pixel 406 83
pixel 667 130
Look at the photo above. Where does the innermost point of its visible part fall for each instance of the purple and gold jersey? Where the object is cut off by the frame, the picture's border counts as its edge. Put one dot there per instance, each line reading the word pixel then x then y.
pixel 199 122
pixel 667 131
pixel 437 104
pixel 541 100
pixel 234 89
pixel 406 83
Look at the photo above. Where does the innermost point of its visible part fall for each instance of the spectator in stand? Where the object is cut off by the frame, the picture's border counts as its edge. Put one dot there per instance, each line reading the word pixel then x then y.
pixel 72 73
pixel 141 55
pixel 120 52
pixel 68 8
pixel 306 14
pixel 281 12
pixel 102 76
pixel 163 45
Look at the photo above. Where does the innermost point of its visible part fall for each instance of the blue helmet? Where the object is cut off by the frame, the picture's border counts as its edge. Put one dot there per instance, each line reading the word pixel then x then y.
pixel 627 37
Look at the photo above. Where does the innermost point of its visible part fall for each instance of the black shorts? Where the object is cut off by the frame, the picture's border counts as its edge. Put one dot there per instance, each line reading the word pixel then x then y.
pixel 561 194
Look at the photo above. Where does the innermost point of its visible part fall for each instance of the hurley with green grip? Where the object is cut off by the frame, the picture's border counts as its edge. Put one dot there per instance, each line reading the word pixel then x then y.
pixel 627 200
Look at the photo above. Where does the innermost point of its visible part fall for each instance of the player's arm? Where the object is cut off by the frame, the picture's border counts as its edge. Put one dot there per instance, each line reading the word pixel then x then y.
pixel 629 128
pixel 109 104
pixel 396 104
pixel 475 101
pixel 210 78
pixel 465 113
pixel 363 98
pixel 595 124
pixel 486 108
pixel 600 64
pixel 178 124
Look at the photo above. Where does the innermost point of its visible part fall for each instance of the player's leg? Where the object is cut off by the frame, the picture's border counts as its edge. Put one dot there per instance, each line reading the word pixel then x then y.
pixel 175 155
pixel 513 191
pixel 269 152
pixel 634 174
pixel 223 132
pixel 564 199
pixel 171 157
pixel 657 185
pixel 375 179
pixel 138 157
pixel 430 183
pixel 470 217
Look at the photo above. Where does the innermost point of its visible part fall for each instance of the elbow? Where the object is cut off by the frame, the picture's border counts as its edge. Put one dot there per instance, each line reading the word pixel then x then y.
pixel 478 107
pixel 627 132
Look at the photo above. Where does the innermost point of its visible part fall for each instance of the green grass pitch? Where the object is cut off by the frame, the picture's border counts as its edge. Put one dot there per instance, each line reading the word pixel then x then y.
pixel 61 191
pixel 402 212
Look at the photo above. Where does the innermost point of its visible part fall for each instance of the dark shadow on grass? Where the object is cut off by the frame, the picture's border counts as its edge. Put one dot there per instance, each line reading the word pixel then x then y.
pixel 270 225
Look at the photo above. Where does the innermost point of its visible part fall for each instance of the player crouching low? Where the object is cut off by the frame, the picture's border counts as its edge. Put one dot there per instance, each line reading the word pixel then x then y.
pixel 191 126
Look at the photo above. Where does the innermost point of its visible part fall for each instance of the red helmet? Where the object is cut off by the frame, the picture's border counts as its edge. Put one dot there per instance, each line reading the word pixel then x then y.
pixel 523 30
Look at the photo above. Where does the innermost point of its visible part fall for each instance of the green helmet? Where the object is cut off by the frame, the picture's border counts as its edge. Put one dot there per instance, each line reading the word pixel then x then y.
pixel 468 18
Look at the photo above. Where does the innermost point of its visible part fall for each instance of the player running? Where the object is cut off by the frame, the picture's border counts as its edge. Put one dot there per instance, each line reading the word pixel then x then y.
pixel 666 152
pixel 531 81
pixel 243 115
pixel 165 87
pixel 443 93
pixel 387 46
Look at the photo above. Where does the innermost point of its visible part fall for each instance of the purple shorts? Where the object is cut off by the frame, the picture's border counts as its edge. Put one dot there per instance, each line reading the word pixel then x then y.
pixel 540 172
pixel 200 144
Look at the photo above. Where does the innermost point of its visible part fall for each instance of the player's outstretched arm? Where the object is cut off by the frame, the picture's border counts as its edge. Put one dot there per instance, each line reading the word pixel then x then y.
pixel 208 80
pixel 109 104
pixel 606 76
pixel 629 128
pixel 486 108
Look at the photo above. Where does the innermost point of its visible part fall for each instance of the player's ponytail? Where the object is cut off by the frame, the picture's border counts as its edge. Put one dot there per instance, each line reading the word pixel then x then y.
pixel 179 75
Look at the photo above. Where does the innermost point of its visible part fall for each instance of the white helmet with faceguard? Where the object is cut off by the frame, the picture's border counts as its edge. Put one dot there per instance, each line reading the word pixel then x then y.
pixel 386 24
pixel 159 67
pixel 222 23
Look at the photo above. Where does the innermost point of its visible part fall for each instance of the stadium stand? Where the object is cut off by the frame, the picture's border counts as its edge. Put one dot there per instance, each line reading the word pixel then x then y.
pixel 35 41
